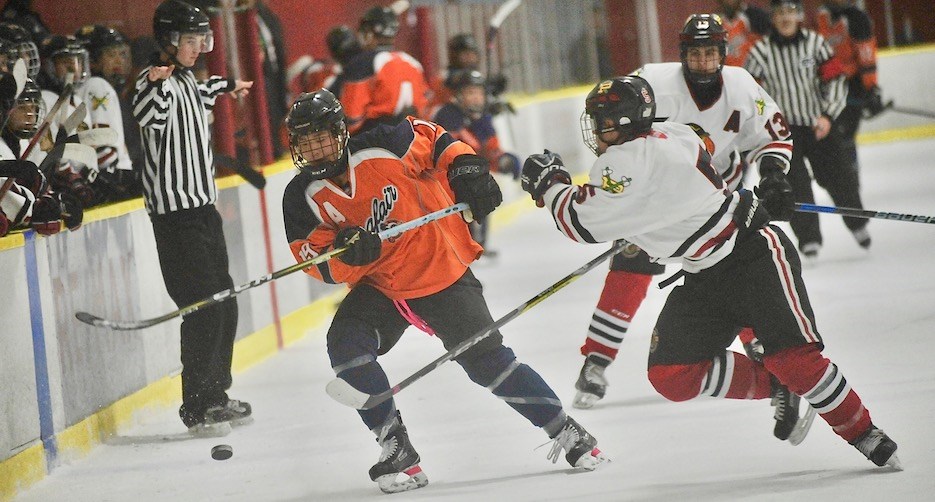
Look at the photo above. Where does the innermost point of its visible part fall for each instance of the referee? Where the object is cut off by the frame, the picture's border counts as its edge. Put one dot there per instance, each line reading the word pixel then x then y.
pixel 796 67
pixel 180 192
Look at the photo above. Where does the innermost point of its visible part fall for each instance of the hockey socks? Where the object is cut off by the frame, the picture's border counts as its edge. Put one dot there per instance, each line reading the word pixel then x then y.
pixel 622 296
pixel 731 376
pixel 811 375
pixel 516 383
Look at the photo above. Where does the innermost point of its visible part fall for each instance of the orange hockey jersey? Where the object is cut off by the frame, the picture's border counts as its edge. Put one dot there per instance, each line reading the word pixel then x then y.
pixel 382 86
pixel 850 33
pixel 396 174
pixel 743 31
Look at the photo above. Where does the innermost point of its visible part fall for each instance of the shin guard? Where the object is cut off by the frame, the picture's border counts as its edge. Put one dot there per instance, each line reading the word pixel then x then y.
pixel 622 296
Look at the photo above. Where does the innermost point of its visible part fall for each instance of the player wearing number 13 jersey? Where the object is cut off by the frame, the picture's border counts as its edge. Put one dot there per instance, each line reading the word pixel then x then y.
pixel 740 125
pixel 382 85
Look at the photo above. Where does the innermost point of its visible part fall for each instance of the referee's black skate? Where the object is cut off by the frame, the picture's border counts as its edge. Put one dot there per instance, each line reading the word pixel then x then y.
pixel 397 458
pixel 878 448
pixel 580 447
pixel 233 412
pixel 591 384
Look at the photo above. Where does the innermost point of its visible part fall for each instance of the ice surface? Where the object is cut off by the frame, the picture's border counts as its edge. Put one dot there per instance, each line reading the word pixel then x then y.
pixel 875 310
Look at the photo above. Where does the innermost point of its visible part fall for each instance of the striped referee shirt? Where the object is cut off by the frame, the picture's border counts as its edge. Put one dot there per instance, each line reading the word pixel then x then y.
pixel 791 72
pixel 173 117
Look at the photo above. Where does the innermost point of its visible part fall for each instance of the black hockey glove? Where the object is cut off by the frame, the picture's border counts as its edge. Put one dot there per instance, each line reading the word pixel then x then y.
pixel 470 180
pixel 774 190
pixel 46 215
pixel 363 246
pixel 749 215
pixel 540 171
pixel 72 212
pixel 26 173
pixel 873 103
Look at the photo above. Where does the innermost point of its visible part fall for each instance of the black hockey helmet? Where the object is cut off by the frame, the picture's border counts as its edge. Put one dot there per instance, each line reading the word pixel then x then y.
pixel 22 45
pixel 342 43
pixel 315 112
pixel 702 30
pixel 8 55
pixel 30 100
pixel 462 42
pixel 623 104
pixel 463 78
pixel 98 37
pixel 795 4
pixel 57 46
pixel 381 21
pixel 173 18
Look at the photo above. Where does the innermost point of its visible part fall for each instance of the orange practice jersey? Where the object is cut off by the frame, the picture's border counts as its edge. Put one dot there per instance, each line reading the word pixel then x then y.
pixel 850 33
pixel 743 31
pixel 397 174
pixel 381 84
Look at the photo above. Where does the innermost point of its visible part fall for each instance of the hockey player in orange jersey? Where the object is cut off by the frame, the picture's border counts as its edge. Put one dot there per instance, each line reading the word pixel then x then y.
pixel 348 190
pixel 381 85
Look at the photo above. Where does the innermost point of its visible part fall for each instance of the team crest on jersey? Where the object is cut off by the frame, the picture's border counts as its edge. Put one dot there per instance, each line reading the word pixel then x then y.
pixel 380 209
pixel 760 106
pixel 609 184
pixel 97 102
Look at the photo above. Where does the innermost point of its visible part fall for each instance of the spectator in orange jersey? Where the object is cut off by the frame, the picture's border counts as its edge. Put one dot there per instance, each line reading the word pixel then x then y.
pixel 382 85
pixel 347 191
pixel 745 24
pixel 849 30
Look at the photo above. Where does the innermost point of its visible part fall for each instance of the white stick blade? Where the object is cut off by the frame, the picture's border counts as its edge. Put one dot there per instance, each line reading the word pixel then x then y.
pixel 82 154
pixel 19 75
pixel 342 392
pixel 101 136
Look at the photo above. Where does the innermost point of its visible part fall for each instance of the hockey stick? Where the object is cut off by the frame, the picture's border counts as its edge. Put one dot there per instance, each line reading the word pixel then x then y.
pixel 249 175
pixel 863 213
pixel 494 28
pixel 912 111
pixel 344 393
pixel 230 293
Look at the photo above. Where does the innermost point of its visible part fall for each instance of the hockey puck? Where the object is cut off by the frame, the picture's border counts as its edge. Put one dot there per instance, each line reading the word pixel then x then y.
pixel 222 452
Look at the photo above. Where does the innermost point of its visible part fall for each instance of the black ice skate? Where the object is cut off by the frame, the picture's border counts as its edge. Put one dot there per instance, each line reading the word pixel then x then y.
pixel 789 425
pixel 591 384
pixel 581 447
pixel 878 448
pixel 233 412
pixel 398 457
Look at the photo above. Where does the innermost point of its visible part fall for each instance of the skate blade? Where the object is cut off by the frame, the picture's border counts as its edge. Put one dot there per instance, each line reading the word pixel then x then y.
pixel 210 430
pixel 416 479
pixel 584 400
pixel 592 460
pixel 802 426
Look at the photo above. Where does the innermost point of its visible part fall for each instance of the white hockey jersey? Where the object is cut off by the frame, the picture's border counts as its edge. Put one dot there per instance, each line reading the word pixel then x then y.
pixel 744 120
pixel 659 192
pixel 104 111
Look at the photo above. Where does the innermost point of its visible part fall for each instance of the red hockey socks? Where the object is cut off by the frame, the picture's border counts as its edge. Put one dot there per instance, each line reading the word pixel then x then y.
pixel 622 296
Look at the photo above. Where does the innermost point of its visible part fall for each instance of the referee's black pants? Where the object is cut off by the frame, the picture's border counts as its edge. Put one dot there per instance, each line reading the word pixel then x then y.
pixel 193 259
pixel 832 171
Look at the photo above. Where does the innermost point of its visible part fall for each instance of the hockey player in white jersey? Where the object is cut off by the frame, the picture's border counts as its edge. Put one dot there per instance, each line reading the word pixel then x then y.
pixel 653 185
pixel 742 127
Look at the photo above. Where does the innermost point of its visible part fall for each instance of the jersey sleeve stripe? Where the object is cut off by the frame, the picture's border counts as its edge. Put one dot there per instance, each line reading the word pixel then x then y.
pixel 710 224
pixel 573 215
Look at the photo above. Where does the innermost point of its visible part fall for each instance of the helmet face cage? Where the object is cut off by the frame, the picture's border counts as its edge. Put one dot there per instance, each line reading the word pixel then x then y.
pixel 79 64
pixel 587 131
pixel 623 104
pixel 321 159
pixel 702 30
pixel 318 134
pixel 28 52
pixel 26 112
